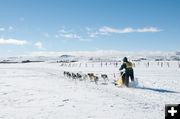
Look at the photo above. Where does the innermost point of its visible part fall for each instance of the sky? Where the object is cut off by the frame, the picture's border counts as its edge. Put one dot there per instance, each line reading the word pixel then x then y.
pixel 48 26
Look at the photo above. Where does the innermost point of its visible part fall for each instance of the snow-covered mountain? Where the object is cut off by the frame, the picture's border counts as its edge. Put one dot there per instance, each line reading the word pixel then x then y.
pixel 157 56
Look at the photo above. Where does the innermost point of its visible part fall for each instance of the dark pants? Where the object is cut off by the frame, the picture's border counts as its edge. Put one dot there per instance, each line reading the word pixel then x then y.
pixel 126 78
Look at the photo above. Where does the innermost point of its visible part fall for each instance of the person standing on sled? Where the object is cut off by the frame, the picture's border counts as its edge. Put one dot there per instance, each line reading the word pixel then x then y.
pixel 128 71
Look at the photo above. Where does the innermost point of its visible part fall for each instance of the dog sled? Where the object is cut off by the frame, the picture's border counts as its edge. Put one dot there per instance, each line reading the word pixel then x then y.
pixel 121 81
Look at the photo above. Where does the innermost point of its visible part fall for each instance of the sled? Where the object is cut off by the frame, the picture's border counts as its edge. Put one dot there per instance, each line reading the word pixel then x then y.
pixel 120 81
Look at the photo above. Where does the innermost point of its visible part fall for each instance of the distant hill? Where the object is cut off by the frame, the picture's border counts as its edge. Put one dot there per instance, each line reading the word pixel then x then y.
pixel 65 56
pixel 178 53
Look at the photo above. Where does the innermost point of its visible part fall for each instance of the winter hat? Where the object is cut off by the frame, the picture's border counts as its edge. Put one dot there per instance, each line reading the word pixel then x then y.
pixel 125 59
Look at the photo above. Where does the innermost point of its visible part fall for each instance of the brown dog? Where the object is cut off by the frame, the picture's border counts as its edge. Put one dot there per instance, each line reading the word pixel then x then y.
pixel 96 79
pixel 91 76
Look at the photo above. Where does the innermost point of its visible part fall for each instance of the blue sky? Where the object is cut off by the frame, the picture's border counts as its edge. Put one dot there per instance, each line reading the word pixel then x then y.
pixel 88 25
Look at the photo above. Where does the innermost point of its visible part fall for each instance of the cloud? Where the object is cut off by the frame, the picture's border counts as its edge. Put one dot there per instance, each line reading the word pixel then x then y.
pixel 106 30
pixel 21 19
pixel 12 41
pixel 150 29
pixel 56 36
pixel 89 29
pixel 84 39
pixel 127 30
pixel 46 35
pixel 2 29
pixel 70 36
pixel 10 28
pixel 94 34
pixel 111 30
pixel 63 31
pixel 39 45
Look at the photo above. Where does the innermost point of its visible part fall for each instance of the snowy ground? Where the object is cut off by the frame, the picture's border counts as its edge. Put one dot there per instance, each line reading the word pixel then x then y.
pixel 40 91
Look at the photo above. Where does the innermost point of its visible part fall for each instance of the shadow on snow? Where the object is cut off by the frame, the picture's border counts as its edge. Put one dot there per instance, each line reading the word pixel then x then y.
pixel 135 85
pixel 156 90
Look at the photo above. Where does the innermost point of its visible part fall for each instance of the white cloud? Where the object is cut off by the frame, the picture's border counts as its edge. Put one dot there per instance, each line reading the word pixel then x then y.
pixel 150 29
pixel 39 45
pixel 108 29
pixel 56 36
pixel 21 19
pixel 127 30
pixel 12 41
pixel 89 29
pixel 11 28
pixel 70 36
pixel 63 31
pixel 94 34
pixel 46 35
pixel 84 39
pixel 2 29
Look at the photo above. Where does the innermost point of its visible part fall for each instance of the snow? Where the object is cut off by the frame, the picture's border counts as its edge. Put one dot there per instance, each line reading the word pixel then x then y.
pixel 40 91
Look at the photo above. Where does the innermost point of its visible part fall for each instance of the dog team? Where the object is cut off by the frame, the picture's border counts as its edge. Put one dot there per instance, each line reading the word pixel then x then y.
pixel 90 76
